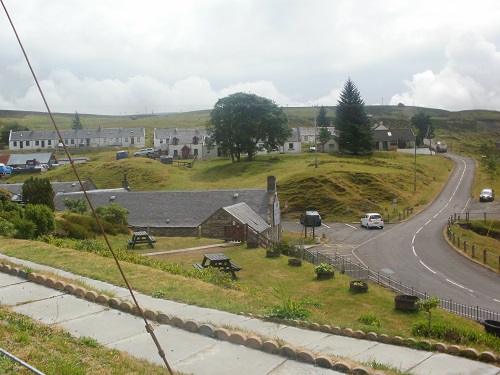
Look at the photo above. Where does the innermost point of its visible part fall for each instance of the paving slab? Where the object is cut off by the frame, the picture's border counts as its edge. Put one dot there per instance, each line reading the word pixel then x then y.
pixel 6 279
pixel 340 346
pixel 296 368
pixel 107 326
pixel 299 337
pixel 15 294
pixel 445 364
pixel 397 357
pixel 58 309
pixel 266 329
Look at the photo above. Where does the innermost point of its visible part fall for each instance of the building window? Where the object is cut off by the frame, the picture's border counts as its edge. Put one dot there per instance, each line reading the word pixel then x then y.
pixel 290 146
pixel 176 153
pixel 37 143
pixel 195 140
pixel 49 142
pixel 175 141
pixel 72 141
pixel 66 141
pixel 27 143
pixel 138 139
pixel 195 151
pixel 14 144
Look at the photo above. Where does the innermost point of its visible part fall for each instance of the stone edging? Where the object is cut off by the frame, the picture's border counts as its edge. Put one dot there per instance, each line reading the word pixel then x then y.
pixel 253 341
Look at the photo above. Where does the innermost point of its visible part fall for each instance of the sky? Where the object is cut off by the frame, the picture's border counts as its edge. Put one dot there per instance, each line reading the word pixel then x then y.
pixel 121 57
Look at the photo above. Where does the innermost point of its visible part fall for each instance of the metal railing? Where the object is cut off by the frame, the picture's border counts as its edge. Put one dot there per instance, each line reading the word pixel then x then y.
pixel 358 271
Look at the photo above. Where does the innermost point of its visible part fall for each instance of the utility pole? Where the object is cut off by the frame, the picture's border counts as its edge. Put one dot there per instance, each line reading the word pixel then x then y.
pixel 315 140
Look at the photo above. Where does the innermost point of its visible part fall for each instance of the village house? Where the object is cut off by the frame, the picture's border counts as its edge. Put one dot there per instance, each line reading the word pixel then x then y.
pixel 183 143
pixel 206 213
pixel 49 139
pixel 387 139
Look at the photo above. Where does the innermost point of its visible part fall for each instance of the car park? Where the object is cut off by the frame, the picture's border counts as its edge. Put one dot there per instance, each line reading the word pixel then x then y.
pixel 149 152
pixel 487 195
pixel 372 220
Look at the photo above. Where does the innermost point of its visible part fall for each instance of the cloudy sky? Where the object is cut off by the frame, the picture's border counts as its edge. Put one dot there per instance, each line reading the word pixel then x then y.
pixel 129 57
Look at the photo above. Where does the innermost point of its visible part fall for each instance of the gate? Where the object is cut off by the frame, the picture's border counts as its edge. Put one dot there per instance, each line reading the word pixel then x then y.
pixel 234 233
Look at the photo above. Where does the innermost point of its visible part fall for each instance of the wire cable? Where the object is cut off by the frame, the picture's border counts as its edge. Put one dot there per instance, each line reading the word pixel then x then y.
pixel 149 327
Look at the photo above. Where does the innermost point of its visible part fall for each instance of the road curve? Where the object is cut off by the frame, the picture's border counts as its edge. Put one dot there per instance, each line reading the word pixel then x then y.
pixel 415 252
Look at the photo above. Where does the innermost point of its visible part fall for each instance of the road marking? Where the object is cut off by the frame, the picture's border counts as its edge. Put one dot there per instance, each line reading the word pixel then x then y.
pixel 325 225
pixel 423 264
pixel 460 286
pixel 436 215
pixel 419 229
pixel 427 222
pixel 496 300
pixel 414 252
pixel 413 240
pixel 352 226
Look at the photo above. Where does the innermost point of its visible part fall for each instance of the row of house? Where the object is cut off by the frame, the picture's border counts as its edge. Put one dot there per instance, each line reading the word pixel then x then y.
pixel 189 143
pixel 207 213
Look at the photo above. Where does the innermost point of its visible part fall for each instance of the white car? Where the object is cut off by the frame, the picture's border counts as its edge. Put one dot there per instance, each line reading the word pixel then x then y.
pixel 372 220
pixel 145 152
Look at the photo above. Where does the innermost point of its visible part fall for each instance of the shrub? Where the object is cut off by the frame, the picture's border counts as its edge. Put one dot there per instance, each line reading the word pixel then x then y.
pixel 288 309
pixel 42 216
pixel 114 213
pixel 77 206
pixel 323 267
pixel 25 229
pixel 7 229
pixel 369 319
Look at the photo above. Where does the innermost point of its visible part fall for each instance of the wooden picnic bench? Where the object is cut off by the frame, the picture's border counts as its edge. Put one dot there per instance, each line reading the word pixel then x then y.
pixel 141 237
pixel 220 261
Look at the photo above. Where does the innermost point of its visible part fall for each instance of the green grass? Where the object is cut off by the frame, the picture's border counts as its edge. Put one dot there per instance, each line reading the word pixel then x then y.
pixel 54 351
pixel 329 301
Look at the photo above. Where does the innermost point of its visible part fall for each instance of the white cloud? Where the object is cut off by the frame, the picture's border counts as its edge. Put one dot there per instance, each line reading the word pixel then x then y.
pixel 468 81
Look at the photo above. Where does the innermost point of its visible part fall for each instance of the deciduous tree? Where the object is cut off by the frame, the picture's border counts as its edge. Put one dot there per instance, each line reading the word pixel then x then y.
pixel 352 123
pixel 38 191
pixel 422 123
pixel 240 122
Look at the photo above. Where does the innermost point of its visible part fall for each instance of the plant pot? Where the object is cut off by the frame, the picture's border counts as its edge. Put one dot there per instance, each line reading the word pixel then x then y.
pixel 325 275
pixel 492 326
pixel 272 254
pixel 405 302
pixel 358 286
pixel 294 262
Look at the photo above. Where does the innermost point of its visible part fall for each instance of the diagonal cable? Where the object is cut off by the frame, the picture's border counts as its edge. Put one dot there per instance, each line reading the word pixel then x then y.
pixel 149 327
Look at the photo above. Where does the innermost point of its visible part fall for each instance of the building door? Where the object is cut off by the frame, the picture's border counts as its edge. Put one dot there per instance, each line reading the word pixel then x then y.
pixel 234 233
pixel 185 152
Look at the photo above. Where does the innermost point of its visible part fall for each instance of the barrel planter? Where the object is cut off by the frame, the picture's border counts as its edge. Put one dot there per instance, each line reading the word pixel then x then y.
pixel 272 254
pixel 358 286
pixel 294 262
pixel 405 302
pixel 324 275
pixel 492 326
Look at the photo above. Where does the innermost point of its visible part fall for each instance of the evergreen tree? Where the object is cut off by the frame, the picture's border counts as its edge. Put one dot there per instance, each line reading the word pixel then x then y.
pixel 352 124
pixel 422 122
pixel 38 191
pixel 324 134
pixel 76 123
pixel 321 119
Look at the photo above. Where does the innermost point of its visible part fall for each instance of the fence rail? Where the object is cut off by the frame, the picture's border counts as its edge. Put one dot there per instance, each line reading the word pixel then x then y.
pixel 358 271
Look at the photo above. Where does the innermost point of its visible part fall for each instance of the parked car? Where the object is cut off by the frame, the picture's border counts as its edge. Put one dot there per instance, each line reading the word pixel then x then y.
pixel 372 220
pixel 487 195
pixel 5 169
pixel 145 152
pixel 310 219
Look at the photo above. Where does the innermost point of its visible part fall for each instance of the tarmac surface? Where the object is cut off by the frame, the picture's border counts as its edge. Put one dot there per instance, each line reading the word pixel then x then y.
pixel 203 355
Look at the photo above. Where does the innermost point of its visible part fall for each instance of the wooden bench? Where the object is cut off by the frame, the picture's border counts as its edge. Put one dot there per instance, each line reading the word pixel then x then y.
pixel 198 266
pixel 130 242
pixel 235 267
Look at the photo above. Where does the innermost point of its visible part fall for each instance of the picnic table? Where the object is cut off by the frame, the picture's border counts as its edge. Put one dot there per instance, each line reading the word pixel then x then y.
pixel 220 261
pixel 140 238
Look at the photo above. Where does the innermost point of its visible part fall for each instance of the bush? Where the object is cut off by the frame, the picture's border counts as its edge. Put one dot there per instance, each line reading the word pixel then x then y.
pixel 25 229
pixel 42 216
pixel 114 213
pixel 369 319
pixel 77 206
pixel 7 229
pixel 323 267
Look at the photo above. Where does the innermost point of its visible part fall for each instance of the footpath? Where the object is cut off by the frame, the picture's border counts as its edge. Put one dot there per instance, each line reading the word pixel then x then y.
pixel 204 341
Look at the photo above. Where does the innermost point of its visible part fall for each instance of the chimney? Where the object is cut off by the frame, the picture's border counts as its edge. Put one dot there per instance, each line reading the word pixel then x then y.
pixel 125 182
pixel 271 184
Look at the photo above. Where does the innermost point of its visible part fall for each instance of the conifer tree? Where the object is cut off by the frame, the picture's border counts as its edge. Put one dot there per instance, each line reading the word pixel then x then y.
pixel 352 124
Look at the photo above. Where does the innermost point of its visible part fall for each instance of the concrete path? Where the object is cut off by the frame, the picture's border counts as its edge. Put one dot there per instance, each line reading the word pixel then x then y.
pixel 197 353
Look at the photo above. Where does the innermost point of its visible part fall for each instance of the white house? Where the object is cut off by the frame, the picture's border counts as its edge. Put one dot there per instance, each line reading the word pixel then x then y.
pixel 47 139
pixel 184 143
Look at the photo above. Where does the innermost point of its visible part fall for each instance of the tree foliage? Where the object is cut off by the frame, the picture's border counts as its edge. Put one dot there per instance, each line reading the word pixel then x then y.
pixel 321 119
pixel 324 134
pixel 352 123
pixel 38 191
pixel 240 122
pixel 42 216
pixel 77 206
pixel 5 132
pixel 5 196
pixel 422 123
pixel 76 123
pixel 113 213
pixel 490 159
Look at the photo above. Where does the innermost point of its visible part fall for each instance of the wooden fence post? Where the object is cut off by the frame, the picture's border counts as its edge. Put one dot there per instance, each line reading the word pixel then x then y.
pixel 465 246
pixel 458 241
pixel 473 251
pixel 484 256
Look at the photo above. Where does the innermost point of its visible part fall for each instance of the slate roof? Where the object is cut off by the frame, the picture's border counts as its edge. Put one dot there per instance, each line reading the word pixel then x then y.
pixel 385 135
pixel 17 188
pixel 20 159
pixel 173 208
pixel 76 134
pixel 246 215
pixel 183 135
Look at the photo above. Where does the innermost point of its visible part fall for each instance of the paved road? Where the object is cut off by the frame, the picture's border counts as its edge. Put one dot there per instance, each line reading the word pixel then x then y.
pixel 415 252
